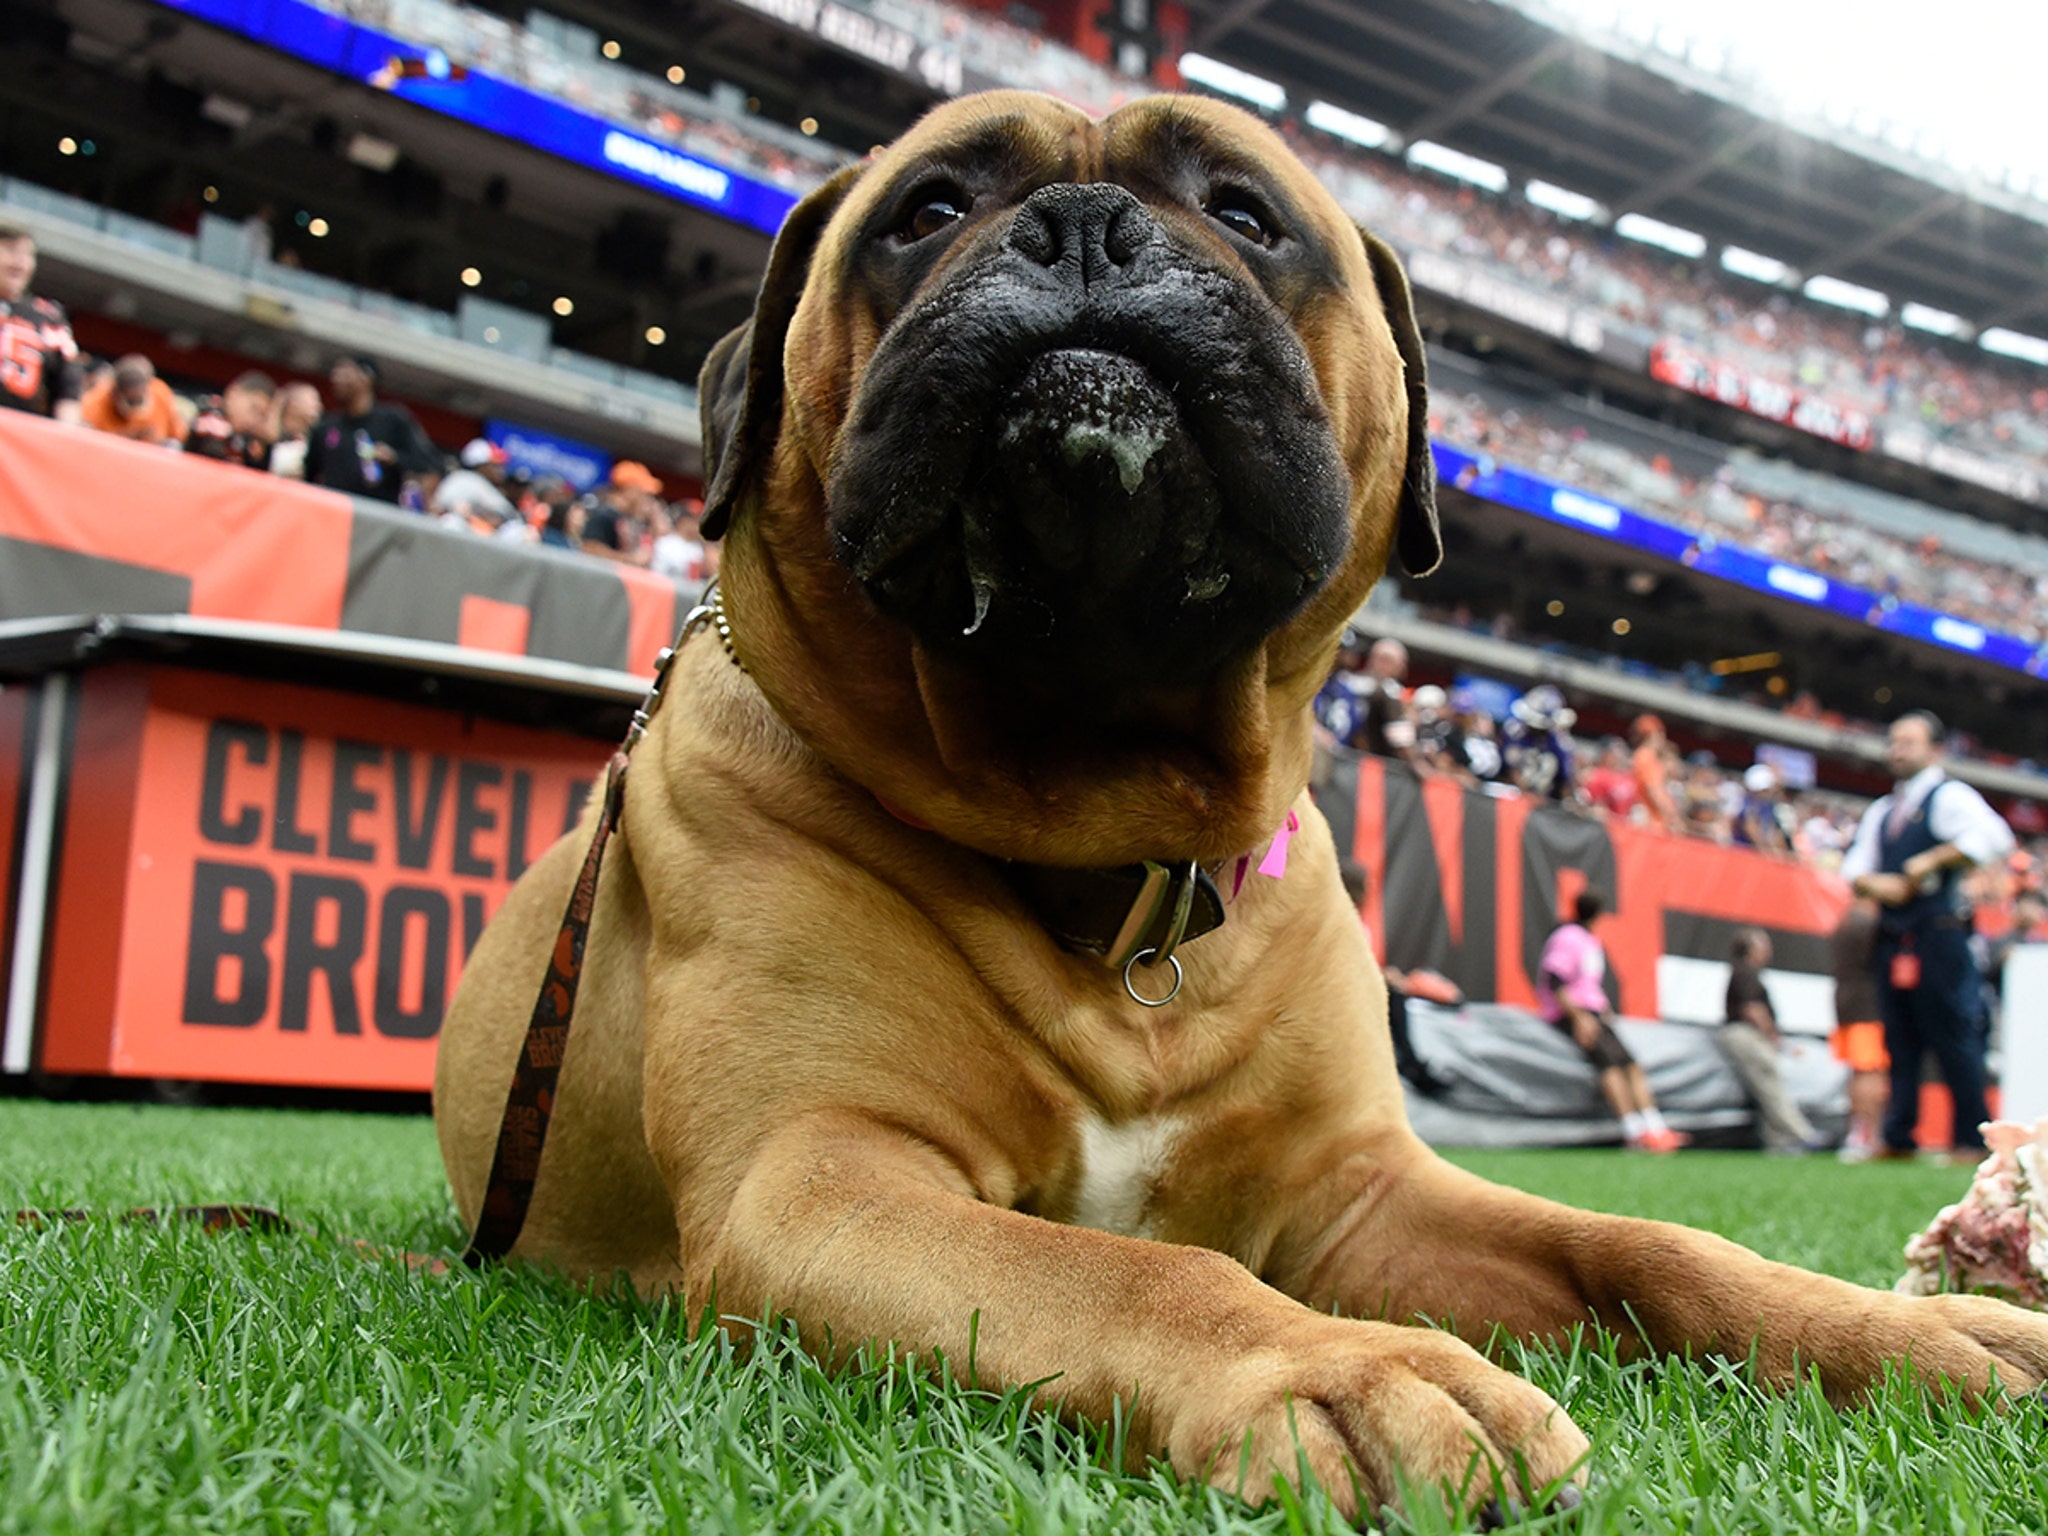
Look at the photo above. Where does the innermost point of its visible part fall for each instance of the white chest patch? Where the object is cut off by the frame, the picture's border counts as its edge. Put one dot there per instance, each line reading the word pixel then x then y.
pixel 1120 1165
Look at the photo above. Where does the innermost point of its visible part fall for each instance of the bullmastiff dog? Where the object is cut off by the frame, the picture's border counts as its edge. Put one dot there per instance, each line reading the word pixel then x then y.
pixel 1051 464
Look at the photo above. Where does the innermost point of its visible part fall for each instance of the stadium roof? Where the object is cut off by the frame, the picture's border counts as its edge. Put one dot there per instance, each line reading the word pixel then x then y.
pixel 1660 141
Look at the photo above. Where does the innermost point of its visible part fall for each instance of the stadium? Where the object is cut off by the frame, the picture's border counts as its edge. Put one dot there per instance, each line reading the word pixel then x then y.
pixel 358 480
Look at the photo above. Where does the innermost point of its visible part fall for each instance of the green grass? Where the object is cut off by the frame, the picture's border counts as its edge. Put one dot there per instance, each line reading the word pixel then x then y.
pixel 165 1380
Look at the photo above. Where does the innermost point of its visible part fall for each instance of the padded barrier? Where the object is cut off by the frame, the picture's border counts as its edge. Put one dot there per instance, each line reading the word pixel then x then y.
pixel 1514 1081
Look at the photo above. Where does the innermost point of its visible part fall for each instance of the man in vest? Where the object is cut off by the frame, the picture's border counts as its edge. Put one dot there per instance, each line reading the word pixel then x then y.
pixel 1910 855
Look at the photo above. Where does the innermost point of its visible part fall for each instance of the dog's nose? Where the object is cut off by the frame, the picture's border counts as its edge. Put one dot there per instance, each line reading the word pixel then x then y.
pixel 1099 227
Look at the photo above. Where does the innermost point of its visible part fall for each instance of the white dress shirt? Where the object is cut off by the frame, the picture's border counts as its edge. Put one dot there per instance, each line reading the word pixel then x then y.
pixel 1959 816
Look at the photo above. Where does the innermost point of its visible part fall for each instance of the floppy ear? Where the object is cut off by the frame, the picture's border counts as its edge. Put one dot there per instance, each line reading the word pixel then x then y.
pixel 739 390
pixel 1417 538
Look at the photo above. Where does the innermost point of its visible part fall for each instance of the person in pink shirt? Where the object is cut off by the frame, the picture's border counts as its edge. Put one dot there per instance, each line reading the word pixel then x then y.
pixel 1571 995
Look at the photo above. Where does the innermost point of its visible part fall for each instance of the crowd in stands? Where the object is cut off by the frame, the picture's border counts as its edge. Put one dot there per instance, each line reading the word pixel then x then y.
pixel 1906 383
pixel 2012 598
pixel 350 440
pixel 1489 736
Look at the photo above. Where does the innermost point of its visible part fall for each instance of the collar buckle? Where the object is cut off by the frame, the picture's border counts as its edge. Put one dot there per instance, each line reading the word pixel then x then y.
pixel 1163 888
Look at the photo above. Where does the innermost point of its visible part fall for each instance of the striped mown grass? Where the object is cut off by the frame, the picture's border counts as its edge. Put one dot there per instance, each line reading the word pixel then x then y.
pixel 167 1380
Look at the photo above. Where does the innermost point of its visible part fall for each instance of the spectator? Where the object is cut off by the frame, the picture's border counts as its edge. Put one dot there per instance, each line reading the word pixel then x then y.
pixel 298 409
pixel 1612 786
pixel 236 424
pixel 678 550
pixel 1571 995
pixel 40 374
pixel 1652 764
pixel 1363 705
pixel 620 523
pixel 365 446
pixel 416 490
pixel 133 402
pixel 1750 1040
pixel 1538 750
pixel 469 496
pixel 1439 741
pixel 1706 809
pixel 564 526
pixel 1760 824
pixel 1479 744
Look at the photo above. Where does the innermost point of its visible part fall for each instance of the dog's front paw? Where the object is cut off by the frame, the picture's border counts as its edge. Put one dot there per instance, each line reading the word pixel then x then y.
pixel 1962 1341
pixel 1371 1409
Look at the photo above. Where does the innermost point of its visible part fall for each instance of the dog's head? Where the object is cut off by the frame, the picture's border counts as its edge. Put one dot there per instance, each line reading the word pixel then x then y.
pixel 1054 457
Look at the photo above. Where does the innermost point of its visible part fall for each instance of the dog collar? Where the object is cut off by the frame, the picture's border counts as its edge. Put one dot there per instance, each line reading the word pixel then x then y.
pixel 711 609
pixel 1139 914
pixel 1131 914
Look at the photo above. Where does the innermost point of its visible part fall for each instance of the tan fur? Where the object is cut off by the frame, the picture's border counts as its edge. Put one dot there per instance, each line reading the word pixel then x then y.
pixel 831 1065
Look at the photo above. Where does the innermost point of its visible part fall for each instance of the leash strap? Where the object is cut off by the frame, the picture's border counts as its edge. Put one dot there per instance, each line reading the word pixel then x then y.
pixel 530 1102
pixel 210 1218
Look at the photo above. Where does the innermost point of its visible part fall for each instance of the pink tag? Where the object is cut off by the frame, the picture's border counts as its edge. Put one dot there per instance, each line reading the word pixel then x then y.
pixel 1275 861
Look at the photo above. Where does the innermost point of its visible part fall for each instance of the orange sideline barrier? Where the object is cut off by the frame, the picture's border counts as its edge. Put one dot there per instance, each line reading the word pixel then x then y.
pixel 265 883
pixel 1470 885
pixel 92 523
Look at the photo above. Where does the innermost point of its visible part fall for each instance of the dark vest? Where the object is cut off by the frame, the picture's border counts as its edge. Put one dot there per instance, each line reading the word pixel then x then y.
pixel 1946 901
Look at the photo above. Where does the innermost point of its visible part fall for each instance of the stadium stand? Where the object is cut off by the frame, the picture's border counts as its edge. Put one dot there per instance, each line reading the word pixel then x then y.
pixel 1778 356
pixel 100 251
pixel 1872 386
pixel 1990 575
pixel 1823 527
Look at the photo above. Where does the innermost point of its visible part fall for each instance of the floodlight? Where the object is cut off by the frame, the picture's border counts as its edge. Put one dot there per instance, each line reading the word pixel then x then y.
pixel 1668 237
pixel 1757 268
pixel 1925 317
pixel 1347 125
pixel 1846 295
pixel 1229 80
pixel 1563 202
pixel 2031 349
pixel 1458 165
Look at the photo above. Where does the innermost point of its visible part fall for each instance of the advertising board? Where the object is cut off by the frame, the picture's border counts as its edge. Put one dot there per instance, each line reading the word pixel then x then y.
pixel 261 882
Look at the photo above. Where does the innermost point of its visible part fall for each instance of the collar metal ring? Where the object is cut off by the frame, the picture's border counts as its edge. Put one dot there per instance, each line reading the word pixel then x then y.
pixel 1144 956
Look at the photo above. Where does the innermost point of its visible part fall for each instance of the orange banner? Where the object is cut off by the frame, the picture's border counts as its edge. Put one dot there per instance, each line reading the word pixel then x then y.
pixel 267 883
pixel 92 523
pixel 253 546
pixel 1471 884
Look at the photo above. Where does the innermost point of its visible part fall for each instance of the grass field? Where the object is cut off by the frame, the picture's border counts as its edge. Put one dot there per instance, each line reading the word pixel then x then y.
pixel 165 1380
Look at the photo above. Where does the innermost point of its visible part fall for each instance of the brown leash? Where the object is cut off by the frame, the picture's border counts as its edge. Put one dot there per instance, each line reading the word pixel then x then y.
pixel 208 1218
pixel 530 1102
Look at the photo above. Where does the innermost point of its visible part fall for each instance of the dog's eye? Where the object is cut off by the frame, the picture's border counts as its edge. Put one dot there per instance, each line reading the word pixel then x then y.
pixel 1242 217
pixel 931 211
